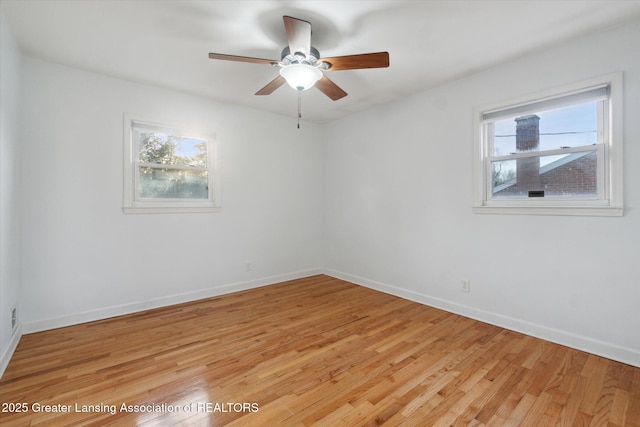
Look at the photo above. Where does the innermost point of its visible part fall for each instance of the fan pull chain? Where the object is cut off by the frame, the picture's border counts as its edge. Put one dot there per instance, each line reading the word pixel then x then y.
pixel 299 106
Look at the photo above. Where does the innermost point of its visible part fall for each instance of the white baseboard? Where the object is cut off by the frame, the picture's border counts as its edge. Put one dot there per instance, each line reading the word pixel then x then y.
pixel 10 349
pixel 590 345
pixel 611 351
pixel 107 312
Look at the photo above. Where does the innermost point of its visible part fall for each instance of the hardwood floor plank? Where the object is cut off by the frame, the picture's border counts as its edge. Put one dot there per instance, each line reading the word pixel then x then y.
pixel 619 408
pixel 311 352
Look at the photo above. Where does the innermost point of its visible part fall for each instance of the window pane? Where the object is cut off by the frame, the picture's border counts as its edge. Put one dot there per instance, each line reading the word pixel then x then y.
pixel 503 175
pixel 572 126
pixel 165 149
pixel 572 174
pixel 172 184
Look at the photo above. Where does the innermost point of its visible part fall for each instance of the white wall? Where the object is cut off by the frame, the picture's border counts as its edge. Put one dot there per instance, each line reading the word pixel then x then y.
pixel 10 222
pixel 399 195
pixel 85 259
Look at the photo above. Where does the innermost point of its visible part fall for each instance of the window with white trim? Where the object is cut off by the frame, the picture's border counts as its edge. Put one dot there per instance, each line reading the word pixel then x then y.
pixel 169 169
pixel 558 153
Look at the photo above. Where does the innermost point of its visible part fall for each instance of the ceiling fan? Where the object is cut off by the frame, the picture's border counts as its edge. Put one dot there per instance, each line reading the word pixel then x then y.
pixel 301 65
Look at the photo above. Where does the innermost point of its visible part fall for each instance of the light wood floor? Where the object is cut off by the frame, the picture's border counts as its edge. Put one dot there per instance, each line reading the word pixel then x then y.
pixel 316 351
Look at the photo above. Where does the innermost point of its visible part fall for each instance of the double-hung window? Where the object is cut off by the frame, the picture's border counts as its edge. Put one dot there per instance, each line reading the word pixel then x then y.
pixel 555 153
pixel 169 169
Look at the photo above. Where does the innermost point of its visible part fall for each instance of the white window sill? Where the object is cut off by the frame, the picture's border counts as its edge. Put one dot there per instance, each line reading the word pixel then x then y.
pixel 550 210
pixel 169 210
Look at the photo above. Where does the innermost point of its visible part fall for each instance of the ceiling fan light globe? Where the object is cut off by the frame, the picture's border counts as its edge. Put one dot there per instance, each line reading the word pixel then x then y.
pixel 301 76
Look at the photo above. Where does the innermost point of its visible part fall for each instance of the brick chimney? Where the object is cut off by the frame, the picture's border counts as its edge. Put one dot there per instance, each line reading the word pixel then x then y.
pixel 528 139
pixel 527 133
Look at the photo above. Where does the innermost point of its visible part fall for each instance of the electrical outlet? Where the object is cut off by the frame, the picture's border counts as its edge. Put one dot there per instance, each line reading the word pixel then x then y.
pixel 14 317
pixel 465 286
pixel 248 266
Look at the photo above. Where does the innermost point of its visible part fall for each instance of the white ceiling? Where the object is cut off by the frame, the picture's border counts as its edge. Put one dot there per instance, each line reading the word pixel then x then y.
pixel 166 43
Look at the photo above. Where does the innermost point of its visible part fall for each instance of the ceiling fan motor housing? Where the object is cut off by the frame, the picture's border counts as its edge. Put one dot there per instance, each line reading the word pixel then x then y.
pixel 287 58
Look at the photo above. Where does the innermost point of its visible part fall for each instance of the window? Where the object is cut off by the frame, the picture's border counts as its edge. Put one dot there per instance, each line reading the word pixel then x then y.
pixel 558 153
pixel 169 169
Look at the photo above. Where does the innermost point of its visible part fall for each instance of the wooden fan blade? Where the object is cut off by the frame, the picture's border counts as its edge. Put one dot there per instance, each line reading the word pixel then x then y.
pixel 271 86
pixel 298 35
pixel 330 89
pixel 243 59
pixel 356 62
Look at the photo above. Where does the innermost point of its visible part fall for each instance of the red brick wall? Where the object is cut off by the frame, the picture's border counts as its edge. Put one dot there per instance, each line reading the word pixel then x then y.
pixel 574 178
